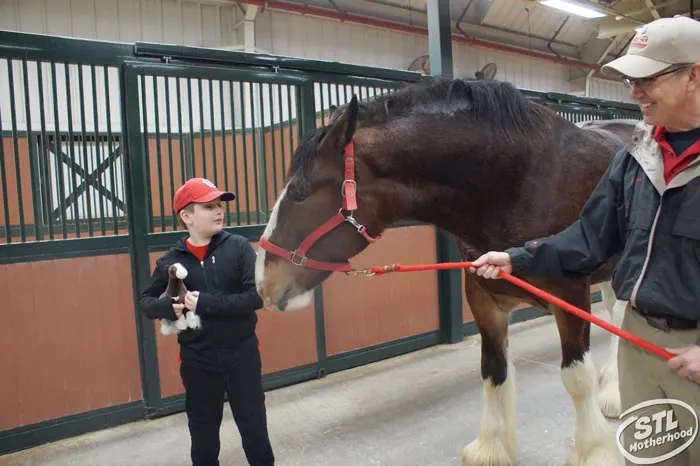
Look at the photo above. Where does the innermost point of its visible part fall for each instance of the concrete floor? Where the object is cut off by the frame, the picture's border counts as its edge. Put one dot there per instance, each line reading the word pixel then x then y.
pixel 419 409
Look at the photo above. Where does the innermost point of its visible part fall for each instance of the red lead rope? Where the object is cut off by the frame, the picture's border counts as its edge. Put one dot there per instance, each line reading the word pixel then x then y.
pixel 526 286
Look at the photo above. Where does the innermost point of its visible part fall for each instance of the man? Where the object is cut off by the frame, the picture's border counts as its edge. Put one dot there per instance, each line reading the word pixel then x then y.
pixel 646 208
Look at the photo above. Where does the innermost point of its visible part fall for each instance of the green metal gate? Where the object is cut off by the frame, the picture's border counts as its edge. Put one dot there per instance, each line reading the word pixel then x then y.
pixel 110 131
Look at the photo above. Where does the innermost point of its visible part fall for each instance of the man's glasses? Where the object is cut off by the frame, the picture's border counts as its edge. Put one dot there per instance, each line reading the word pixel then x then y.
pixel 645 82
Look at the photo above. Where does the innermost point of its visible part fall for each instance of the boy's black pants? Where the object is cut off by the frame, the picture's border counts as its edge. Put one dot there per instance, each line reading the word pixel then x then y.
pixel 204 404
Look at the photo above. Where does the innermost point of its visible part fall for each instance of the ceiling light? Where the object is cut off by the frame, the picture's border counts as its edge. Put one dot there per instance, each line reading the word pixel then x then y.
pixel 573 8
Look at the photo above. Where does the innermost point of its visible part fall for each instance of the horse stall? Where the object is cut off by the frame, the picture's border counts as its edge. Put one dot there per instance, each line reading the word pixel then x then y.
pixel 96 137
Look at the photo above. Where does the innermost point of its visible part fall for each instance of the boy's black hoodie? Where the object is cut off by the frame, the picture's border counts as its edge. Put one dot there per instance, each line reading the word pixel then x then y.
pixel 227 300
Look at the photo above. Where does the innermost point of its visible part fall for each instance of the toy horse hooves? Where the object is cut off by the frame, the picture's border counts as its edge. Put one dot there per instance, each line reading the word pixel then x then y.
pixel 167 327
pixel 480 453
pixel 193 320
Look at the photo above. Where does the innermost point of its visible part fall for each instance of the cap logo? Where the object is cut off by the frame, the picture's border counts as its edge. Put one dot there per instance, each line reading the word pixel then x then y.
pixel 208 183
pixel 640 41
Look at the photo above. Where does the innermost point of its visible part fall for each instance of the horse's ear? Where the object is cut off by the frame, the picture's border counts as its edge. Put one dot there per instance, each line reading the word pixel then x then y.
pixel 343 127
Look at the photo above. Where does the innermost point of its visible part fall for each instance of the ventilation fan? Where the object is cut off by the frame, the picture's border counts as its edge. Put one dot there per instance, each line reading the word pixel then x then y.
pixel 487 72
pixel 421 64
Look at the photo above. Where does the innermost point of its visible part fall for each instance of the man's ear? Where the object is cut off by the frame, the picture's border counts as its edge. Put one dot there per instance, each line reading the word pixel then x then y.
pixel 694 75
pixel 343 127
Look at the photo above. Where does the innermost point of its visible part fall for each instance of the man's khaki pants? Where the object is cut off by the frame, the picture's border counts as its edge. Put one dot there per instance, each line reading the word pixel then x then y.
pixel 645 376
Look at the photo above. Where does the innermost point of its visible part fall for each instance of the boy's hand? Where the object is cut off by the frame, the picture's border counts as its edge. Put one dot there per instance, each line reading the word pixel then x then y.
pixel 191 299
pixel 177 309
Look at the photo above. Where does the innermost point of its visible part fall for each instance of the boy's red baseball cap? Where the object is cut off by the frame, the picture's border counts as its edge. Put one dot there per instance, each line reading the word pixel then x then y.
pixel 198 190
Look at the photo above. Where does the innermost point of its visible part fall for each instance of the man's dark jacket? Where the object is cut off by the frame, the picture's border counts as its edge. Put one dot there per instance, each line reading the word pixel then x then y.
pixel 653 225
pixel 227 301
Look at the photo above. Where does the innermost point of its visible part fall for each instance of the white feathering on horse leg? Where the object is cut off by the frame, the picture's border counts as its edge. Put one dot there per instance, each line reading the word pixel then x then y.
pixel 594 443
pixel 167 327
pixel 496 442
pixel 609 394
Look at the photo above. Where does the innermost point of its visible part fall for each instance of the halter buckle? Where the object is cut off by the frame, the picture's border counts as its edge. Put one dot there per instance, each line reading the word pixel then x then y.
pixel 301 259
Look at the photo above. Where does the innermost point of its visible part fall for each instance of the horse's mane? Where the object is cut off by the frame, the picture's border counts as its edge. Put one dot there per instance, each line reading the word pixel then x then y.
pixel 495 104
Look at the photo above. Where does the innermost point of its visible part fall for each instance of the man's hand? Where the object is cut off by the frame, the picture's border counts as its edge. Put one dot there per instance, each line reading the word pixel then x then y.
pixel 491 263
pixel 191 299
pixel 687 362
pixel 177 309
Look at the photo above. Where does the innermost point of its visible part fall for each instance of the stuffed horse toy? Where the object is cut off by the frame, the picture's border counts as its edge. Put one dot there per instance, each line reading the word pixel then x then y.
pixel 176 292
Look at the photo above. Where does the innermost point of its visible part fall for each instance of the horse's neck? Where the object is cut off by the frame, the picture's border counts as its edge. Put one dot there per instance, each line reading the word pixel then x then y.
pixel 441 179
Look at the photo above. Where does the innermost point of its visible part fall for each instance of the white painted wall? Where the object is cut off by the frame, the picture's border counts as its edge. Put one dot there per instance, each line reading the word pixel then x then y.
pixel 170 21
pixel 609 90
pixel 295 35
pixel 189 22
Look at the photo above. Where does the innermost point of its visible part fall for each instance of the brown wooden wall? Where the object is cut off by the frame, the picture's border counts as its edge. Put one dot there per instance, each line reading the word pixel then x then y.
pixel 361 312
pixel 69 339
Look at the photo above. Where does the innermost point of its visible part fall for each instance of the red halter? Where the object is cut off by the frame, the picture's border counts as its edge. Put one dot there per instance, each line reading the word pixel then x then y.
pixel 349 192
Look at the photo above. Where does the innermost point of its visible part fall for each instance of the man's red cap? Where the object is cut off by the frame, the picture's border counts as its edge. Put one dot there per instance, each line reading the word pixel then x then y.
pixel 198 190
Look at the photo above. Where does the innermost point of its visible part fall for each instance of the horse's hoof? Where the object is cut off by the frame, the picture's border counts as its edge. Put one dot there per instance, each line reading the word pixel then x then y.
pixel 480 453
pixel 596 457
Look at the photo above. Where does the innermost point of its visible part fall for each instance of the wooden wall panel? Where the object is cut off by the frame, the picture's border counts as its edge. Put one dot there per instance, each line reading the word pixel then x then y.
pixel 361 311
pixel 8 152
pixel 70 341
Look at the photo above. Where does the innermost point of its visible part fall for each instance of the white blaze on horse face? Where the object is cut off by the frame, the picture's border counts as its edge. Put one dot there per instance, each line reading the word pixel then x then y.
pixel 269 229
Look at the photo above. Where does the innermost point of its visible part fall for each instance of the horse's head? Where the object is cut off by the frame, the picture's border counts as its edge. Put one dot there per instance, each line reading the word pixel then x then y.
pixel 315 226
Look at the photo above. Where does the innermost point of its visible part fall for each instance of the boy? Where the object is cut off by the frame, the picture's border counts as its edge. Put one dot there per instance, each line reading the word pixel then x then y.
pixel 222 355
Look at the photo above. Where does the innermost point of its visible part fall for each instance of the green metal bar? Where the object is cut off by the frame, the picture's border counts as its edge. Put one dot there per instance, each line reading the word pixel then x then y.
pixel 245 153
pixel 279 105
pixel 230 57
pixel 3 179
pixel 42 158
pixel 256 174
pixel 306 109
pixel 272 141
pixel 289 109
pixel 59 150
pixel 170 148
pixel 183 175
pixel 262 175
pixel 138 214
pixel 86 166
pixel 71 141
pixel 323 105
pixel 191 172
pixel 159 161
pixel 224 154
pixel 234 149
pixel 144 138
pixel 18 175
pixel 213 130
pixel 201 128
pixel 98 149
pixel 113 167
pixel 449 290
pixel 34 179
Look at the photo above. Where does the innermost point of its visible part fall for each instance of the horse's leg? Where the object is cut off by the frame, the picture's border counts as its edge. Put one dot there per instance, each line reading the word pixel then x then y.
pixel 594 443
pixel 609 395
pixel 495 443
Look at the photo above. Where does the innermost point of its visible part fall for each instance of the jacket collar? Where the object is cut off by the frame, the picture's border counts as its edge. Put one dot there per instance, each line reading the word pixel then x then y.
pixel 647 152
pixel 216 240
